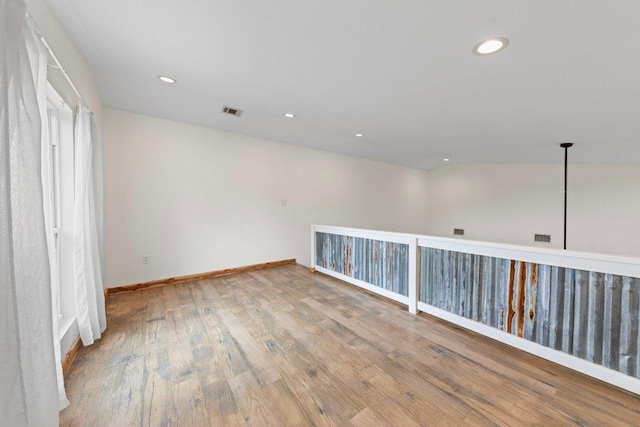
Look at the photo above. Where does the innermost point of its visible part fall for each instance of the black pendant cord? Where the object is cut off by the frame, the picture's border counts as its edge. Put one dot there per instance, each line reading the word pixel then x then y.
pixel 566 147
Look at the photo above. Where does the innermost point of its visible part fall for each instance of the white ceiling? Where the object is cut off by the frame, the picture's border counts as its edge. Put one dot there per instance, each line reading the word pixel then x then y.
pixel 401 72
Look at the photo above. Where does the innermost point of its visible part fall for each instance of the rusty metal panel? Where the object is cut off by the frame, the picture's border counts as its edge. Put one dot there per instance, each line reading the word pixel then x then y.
pixel 383 264
pixel 594 316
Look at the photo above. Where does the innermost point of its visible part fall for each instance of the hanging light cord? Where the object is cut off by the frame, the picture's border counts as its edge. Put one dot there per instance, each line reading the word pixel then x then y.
pixel 566 146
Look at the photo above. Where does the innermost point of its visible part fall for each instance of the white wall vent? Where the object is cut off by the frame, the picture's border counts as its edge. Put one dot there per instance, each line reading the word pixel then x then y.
pixel 545 238
pixel 233 111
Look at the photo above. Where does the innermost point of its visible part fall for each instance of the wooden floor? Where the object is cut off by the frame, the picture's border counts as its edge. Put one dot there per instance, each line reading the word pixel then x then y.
pixel 287 347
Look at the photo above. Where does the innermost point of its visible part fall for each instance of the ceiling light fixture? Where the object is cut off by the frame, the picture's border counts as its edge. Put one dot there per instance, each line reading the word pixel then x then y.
pixel 167 79
pixel 359 135
pixel 493 45
pixel 446 160
pixel 289 115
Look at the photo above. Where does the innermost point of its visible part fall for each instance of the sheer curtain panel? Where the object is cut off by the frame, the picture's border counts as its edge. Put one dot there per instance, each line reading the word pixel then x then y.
pixel 87 269
pixel 29 393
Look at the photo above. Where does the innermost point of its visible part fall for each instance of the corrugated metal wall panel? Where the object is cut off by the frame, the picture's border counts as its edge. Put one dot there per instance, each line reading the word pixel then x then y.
pixel 379 263
pixel 594 316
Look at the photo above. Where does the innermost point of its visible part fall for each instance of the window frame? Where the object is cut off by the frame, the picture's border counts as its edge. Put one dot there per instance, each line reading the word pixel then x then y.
pixel 61 137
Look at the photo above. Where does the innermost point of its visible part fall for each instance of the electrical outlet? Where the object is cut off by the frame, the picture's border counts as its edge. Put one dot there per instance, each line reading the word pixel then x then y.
pixel 283 202
pixel 145 259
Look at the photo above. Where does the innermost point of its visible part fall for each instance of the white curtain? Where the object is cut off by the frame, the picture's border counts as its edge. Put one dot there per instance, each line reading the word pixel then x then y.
pixel 29 391
pixel 46 152
pixel 86 253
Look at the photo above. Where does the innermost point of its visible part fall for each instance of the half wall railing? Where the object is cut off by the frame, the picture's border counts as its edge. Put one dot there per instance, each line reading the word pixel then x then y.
pixel 580 310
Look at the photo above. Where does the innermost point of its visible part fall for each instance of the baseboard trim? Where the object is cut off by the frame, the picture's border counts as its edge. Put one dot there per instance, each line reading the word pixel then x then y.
pixel 194 277
pixel 583 366
pixel 70 357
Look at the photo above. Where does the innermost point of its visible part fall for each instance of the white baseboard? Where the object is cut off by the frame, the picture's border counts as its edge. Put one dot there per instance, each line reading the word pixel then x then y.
pixel 364 285
pixel 600 372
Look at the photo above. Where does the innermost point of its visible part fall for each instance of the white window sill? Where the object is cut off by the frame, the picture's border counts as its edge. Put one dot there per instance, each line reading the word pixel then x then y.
pixel 65 324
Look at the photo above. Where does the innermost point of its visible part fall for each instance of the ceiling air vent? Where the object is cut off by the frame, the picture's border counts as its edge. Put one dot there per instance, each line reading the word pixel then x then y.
pixel 458 231
pixel 545 238
pixel 233 111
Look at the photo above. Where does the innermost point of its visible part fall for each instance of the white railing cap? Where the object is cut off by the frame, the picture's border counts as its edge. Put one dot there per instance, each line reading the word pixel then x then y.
pixel 589 261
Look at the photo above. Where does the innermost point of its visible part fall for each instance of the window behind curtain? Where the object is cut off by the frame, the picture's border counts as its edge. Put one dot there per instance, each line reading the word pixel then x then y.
pixel 60 118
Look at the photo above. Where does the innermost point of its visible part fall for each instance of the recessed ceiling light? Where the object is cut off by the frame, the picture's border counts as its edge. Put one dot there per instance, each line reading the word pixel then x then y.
pixel 289 115
pixel 359 135
pixel 446 160
pixel 167 79
pixel 490 46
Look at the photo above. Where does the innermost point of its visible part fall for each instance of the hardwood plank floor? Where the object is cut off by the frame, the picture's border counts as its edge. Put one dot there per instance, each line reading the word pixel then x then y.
pixel 287 347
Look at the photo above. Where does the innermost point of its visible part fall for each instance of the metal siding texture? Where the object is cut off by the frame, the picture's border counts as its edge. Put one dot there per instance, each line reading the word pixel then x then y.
pixel 594 316
pixel 383 264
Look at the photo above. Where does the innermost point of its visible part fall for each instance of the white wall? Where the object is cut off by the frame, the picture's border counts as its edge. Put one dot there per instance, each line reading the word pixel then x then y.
pixel 195 199
pixel 510 203
pixel 604 209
